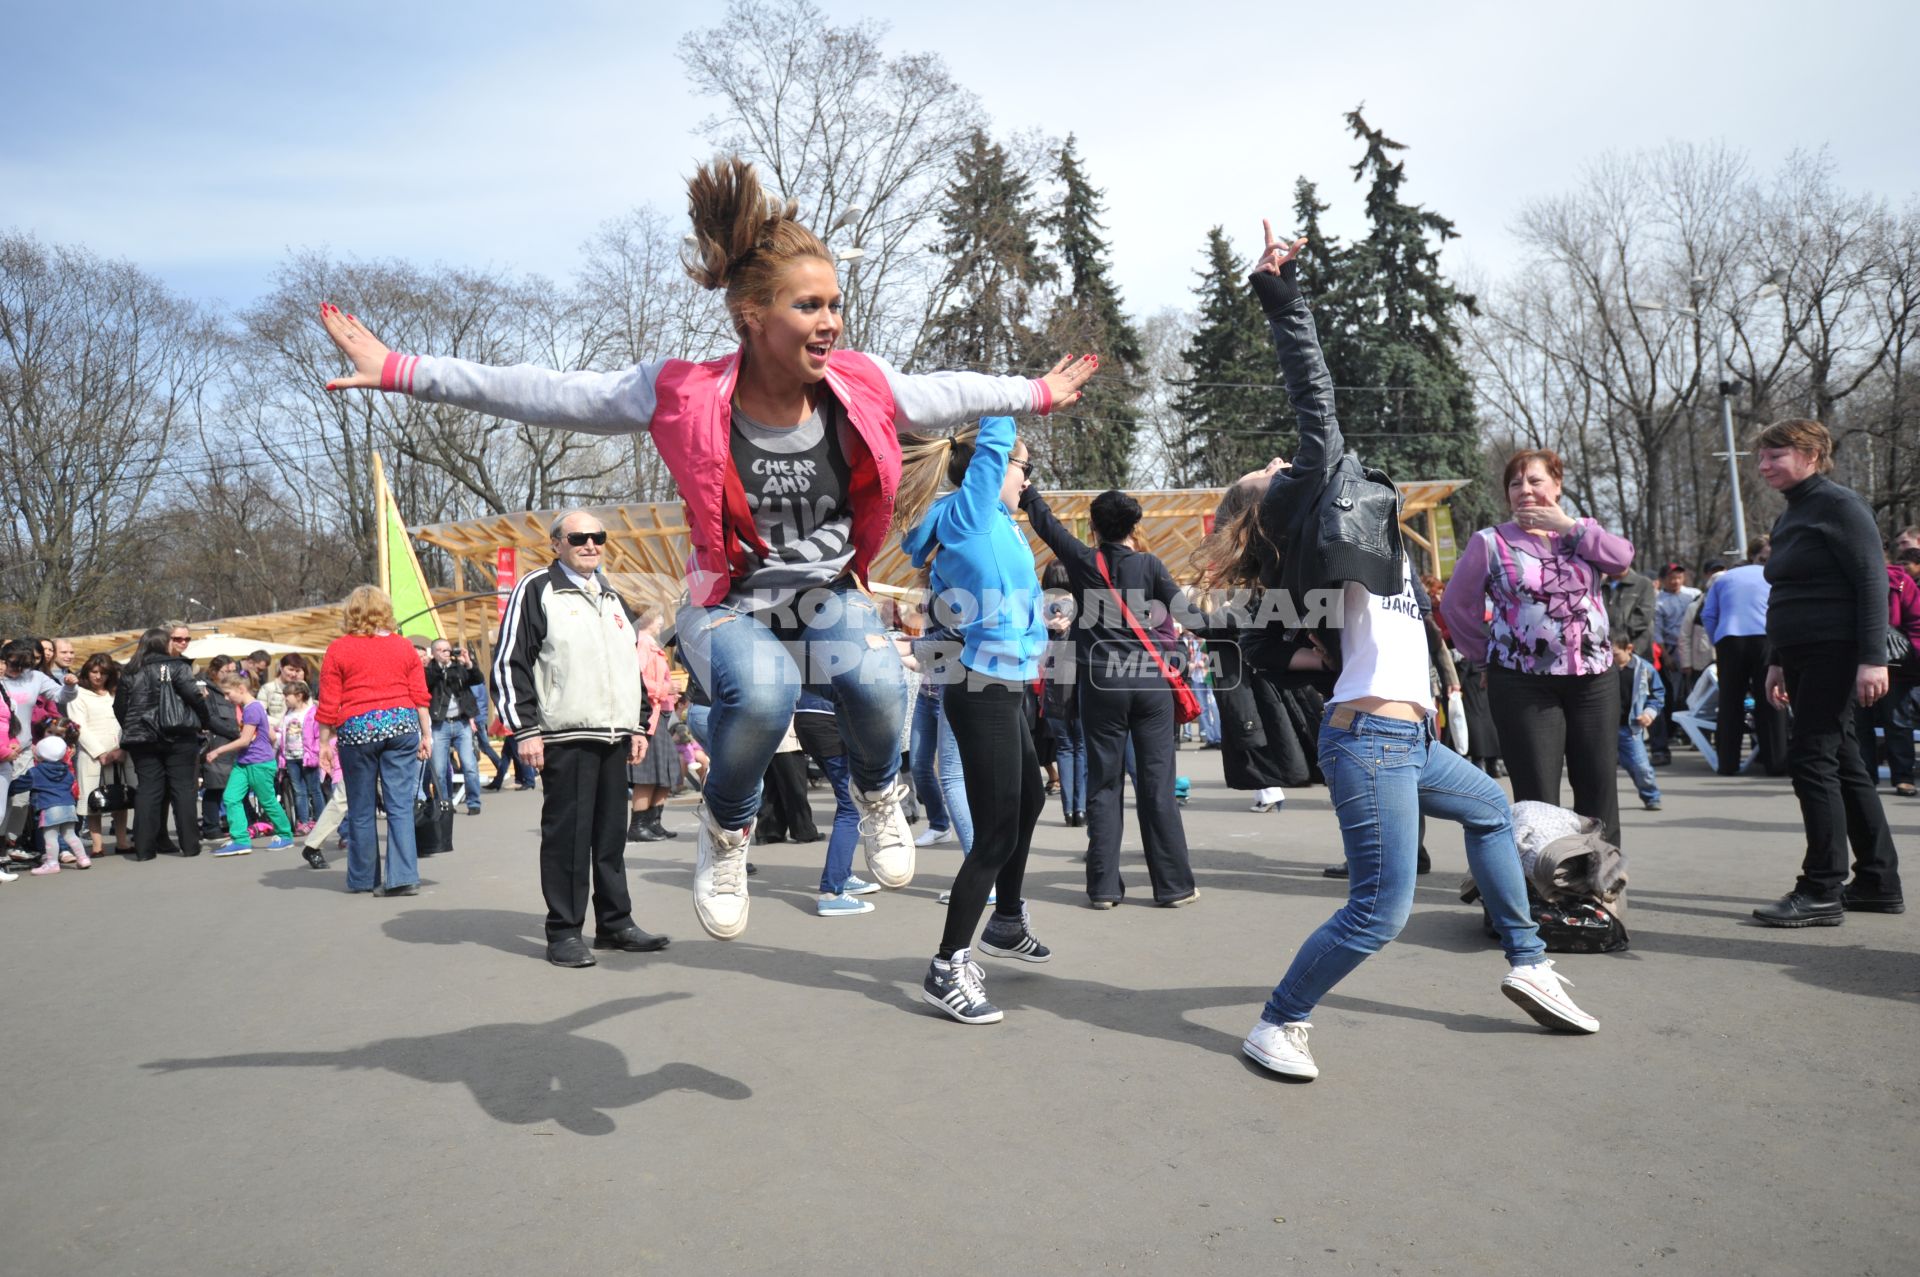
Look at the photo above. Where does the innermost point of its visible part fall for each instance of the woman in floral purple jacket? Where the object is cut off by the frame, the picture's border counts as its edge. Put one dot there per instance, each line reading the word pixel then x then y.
pixel 1544 640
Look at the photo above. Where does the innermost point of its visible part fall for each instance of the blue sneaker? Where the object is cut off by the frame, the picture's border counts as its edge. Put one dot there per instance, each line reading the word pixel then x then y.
pixel 278 844
pixel 841 905
pixel 859 887
pixel 235 849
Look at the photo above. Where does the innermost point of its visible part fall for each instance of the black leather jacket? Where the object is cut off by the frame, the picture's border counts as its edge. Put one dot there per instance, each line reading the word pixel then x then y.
pixel 1336 520
pixel 136 701
pixel 450 687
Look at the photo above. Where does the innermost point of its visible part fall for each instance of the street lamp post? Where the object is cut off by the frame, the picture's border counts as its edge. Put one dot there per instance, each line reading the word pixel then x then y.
pixel 1726 385
pixel 1733 457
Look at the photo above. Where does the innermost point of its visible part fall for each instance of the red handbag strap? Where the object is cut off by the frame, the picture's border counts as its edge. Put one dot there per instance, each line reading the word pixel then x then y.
pixel 1153 651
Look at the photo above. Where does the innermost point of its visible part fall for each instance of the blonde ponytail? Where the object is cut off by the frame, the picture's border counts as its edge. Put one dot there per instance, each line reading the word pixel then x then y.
pixel 925 460
pixel 743 239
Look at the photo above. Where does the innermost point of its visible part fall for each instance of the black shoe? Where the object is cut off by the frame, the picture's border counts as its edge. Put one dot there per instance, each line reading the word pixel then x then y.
pixel 145 855
pixel 1797 910
pixel 405 889
pixel 1864 903
pixel 313 857
pixel 570 952
pixel 642 829
pixel 1661 760
pixel 189 854
pixel 635 825
pixel 492 787
pixel 752 869
pixel 654 815
pixel 1075 820
pixel 524 788
pixel 631 940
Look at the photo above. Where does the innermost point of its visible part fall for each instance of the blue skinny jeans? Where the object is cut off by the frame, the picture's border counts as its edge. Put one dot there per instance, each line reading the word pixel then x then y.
pixel 1383 774
pixel 754 665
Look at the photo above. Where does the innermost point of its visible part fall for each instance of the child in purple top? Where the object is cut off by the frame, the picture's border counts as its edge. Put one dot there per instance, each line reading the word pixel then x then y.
pixel 253 771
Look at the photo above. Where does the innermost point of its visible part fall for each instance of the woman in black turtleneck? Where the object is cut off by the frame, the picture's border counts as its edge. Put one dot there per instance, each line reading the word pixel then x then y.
pixel 1827 627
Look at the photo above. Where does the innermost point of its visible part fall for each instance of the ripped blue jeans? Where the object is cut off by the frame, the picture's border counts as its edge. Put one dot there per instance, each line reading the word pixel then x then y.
pixel 753 665
pixel 1383 774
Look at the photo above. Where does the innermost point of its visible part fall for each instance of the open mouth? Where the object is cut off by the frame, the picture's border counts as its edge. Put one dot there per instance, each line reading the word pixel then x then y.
pixel 819 350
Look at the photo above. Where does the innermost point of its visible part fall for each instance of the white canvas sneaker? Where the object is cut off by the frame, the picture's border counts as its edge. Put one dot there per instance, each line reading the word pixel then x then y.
pixel 1282 1048
pixel 720 879
pixel 934 837
pixel 885 835
pixel 1538 991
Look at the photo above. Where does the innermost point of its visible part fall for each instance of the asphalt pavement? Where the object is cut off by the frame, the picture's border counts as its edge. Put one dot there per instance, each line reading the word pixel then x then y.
pixel 233 1067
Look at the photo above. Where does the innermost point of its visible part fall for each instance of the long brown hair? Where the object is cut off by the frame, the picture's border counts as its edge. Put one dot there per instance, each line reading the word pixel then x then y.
pixel 743 239
pixel 1230 557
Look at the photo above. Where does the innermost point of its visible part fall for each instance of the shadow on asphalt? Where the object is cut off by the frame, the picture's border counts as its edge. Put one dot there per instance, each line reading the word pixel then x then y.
pixel 1146 1012
pixel 1151 1013
pixel 332 878
pixel 517 1073
pixel 1845 968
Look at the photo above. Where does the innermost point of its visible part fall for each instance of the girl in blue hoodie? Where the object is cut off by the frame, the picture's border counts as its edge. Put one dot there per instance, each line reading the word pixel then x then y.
pixel 985 588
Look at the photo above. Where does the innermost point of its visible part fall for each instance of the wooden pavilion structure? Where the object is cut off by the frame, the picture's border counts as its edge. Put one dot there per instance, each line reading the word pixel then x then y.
pixel 647 548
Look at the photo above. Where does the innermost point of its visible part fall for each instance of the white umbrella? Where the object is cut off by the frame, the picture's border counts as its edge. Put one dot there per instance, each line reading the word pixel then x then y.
pixel 238 645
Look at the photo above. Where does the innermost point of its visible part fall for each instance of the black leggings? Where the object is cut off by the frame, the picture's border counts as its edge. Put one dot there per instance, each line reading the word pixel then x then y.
pixel 1005 792
pixel 1545 720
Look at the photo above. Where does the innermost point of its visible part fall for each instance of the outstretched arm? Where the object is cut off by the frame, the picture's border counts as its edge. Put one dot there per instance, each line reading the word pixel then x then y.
pixel 1056 535
pixel 932 400
pixel 600 402
pixel 1297 343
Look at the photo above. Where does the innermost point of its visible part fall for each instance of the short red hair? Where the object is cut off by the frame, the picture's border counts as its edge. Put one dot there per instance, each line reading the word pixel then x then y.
pixel 1520 460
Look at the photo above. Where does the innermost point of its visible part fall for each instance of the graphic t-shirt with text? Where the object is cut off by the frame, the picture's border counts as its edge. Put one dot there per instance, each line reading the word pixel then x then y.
pixel 796 481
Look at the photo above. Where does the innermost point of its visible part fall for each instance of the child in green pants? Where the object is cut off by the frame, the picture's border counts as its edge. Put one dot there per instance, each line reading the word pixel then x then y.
pixel 253 770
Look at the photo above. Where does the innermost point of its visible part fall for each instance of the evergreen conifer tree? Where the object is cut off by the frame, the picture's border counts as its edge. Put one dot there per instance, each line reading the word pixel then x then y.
pixel 984 304
pixel 1089 444
pixel 1390 321
pixel 1234 419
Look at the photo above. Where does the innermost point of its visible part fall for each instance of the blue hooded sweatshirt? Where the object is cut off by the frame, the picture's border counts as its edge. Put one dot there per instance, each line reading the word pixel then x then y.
pixel 983 572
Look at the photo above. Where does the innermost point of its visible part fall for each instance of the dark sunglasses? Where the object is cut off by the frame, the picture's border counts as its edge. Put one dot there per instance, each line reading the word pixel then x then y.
pixel 1026 467
pixel 581 538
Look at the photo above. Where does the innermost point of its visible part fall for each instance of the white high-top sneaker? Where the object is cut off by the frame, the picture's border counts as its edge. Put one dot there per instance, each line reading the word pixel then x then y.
pixel 720 879
pixel 885 835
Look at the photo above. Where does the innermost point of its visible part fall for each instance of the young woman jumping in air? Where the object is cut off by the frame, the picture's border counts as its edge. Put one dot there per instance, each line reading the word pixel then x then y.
pixel 1324 523
pixel 786 455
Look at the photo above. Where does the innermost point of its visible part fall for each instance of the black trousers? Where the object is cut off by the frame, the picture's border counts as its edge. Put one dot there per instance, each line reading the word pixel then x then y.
pixel 1838 801
pixel 1740 663
pixel 1005 792
pixel 786 815
pixel 165 773
pixel 583 836
pixel 1109 716
pixel 1546 720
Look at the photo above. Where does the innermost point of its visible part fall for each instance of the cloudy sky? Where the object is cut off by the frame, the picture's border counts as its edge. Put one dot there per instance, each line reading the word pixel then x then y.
pixel 205 140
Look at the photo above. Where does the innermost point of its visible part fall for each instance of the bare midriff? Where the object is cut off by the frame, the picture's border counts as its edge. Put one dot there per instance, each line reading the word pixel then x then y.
pixel 1406 711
